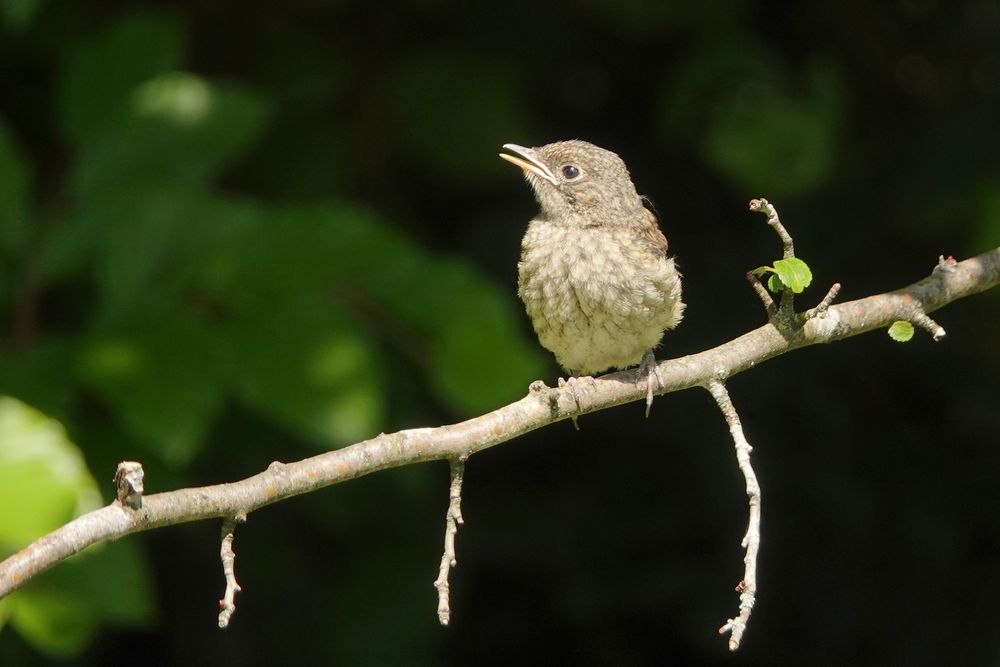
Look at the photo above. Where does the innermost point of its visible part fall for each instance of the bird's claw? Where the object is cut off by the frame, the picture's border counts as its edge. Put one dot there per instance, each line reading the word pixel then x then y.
pixel 570 384
pixel 649 369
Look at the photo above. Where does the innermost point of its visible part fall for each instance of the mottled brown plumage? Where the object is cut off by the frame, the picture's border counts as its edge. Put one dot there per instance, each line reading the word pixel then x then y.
pixel 594 273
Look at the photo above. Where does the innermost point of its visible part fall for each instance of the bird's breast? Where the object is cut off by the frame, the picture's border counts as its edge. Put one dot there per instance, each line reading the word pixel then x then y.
pixel 597 296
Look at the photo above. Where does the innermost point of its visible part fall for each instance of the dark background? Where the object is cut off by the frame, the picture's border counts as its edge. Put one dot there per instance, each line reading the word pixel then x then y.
pixel 185 282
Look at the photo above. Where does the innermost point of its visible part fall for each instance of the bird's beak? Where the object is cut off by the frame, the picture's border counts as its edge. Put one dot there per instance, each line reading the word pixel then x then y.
pixel 528 161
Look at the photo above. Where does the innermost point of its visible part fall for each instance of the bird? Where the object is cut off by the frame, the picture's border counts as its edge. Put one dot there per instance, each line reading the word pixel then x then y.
pixel 594 274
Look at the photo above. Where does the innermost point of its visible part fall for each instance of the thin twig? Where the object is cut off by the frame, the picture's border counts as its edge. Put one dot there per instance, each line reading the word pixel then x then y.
pixel 747 588
pixel 930 326
pixel 765 207
pixel 762 294
pixel 823 305
pixel 452 519
pixel 782 317
pixel 227 605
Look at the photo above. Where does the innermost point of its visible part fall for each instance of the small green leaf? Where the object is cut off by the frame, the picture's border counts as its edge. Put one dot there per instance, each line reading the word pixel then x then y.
pixel 761 270
pixel 794 273
pixel 901 331
pixel 774 284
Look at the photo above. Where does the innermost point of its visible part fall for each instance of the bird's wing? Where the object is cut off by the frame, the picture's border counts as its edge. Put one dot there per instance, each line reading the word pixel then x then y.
pixel 649 227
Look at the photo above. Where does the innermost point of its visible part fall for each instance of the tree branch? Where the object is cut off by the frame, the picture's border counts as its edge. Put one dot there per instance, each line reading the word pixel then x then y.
pixel 227 605
pixel 765 207
pixel 542 406
pixel 747 588
pixel 452 519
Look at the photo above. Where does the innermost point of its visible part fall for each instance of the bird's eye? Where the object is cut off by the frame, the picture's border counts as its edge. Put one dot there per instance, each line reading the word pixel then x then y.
pixel 570 172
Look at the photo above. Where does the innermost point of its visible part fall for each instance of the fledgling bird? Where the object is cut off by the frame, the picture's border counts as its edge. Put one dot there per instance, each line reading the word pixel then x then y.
pixel 594 273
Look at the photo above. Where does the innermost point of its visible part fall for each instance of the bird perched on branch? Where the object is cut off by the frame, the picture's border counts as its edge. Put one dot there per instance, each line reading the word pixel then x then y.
pixel 594 273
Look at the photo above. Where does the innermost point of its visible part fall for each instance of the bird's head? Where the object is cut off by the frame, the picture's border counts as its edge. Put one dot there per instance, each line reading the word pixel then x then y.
pixel 576 180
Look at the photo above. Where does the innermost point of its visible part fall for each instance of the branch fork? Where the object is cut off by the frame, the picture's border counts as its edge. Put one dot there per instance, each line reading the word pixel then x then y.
pixel 783 316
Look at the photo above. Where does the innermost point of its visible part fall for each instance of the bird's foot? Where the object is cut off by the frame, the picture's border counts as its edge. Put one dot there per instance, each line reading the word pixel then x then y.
pixel 649 370
pixel 571 385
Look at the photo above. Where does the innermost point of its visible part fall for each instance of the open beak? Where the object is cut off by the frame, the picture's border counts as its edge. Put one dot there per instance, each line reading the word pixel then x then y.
pixel 528 160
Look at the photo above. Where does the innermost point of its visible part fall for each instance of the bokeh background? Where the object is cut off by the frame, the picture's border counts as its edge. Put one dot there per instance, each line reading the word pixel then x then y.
pixel 233 233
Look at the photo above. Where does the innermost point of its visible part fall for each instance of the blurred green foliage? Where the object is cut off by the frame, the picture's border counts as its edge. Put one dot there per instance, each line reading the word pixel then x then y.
pixel 453 114
pixel 186 299
pixel 36 453
pixel 44 482
pixel 196 298
pixel 18 13
pixel 766 129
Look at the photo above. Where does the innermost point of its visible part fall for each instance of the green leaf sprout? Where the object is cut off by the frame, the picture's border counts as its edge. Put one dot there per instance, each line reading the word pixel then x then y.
pixel 794 273
pixel 901 331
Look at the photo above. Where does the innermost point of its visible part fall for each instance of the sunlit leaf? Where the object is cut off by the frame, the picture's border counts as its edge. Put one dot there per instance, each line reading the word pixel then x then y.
pixel 44 481
pixel 901 331
pixel 794 273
